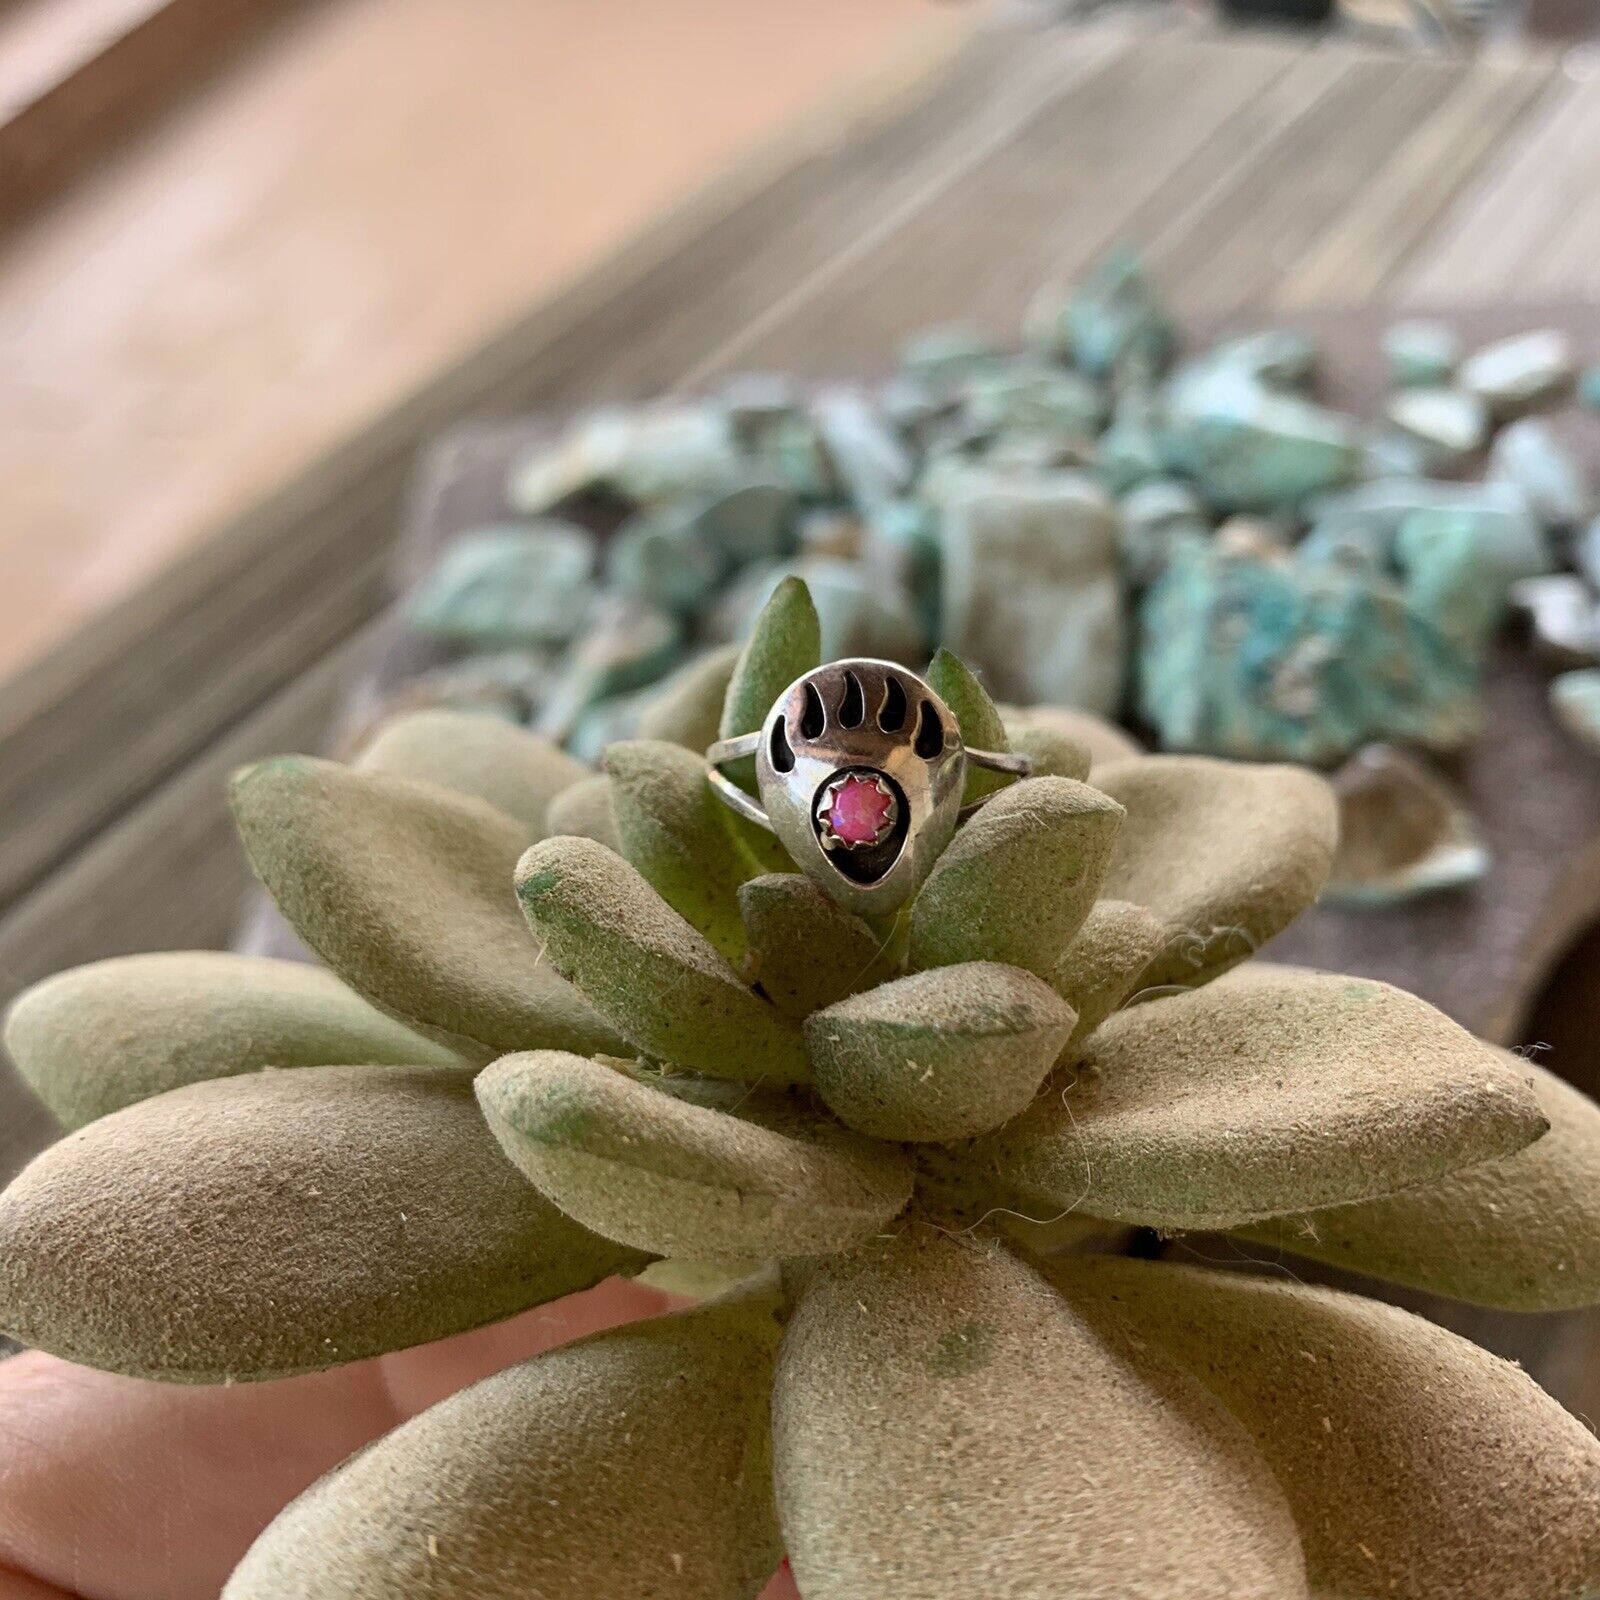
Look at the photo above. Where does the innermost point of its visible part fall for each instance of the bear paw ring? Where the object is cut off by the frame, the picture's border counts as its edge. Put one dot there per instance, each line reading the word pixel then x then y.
pixel 859 771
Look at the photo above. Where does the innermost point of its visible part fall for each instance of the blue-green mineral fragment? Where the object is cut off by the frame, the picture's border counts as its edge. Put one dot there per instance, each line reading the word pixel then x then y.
pixel 509 585
pixel 1032 587
pixel 1112 323
pixel 1251 448
pixel 1278 659
pixel 1421 354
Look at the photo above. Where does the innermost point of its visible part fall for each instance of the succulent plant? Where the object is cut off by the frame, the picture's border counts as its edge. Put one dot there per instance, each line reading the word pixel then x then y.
pixel 900 1159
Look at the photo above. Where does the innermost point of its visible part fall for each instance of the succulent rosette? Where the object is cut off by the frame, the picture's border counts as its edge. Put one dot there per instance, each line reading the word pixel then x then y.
pixel 582 1024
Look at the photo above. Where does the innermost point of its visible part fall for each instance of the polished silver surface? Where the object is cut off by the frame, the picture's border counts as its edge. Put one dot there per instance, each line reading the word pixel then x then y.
pixel 873 733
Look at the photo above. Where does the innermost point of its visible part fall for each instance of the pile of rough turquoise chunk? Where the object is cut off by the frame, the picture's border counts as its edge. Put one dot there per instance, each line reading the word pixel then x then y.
pixel 1195 545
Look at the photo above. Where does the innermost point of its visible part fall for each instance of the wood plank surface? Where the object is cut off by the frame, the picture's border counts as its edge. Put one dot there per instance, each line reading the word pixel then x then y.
pixel 77 76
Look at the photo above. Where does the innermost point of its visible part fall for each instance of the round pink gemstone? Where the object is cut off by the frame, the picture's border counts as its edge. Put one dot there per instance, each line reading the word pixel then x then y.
pixel 860 807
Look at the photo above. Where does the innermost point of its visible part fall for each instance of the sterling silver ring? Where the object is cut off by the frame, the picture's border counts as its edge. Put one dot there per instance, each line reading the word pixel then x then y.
pixel 859 772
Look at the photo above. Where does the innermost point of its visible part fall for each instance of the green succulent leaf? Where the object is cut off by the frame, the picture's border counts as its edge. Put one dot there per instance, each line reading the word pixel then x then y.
pixel 920 1453
pixel 1225 853
pixel 632 1463
pixel 805 949
pixel 1018 880
pixel 941 1055
pixel 281 1222
pixel 97 1038
pixel 979 720
pixel 688 709
pixel 1063 727
pixel 1521 1233
pixel 636 1163
pixel 1417 1465
pixel 655 980
pixel 1099 969
pixel 404 889
pixel 672 829
pixel 785 641
pixel 475 753
pixel 585 812
pixel 1272 1091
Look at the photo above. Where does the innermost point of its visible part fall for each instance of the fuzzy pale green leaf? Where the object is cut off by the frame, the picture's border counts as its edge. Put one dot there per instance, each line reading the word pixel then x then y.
pixel 474 753
pixel 1418 1466
pixel 633 1463
pixel 1117 942
pixel 981 728
pixel 945 1427
pixel 281 1222
pixel 660 984
pixel 1272 1091
pixel 1063 726
pixel 1018 879
pixel 585 811
pixel 671 827
pixel 1225 853
pixel 636 1163
pixel 785 641
pixel 1521 1233
pixel 688 708
pixel 940 1055
pixel 805 949
pixel 404 889
pixel 94 1039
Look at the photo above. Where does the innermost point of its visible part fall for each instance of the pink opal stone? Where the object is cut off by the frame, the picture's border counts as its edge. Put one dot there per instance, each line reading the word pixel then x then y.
pixel 858 811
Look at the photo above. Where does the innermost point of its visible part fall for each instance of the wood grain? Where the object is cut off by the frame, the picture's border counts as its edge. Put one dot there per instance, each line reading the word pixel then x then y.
pixel 77 78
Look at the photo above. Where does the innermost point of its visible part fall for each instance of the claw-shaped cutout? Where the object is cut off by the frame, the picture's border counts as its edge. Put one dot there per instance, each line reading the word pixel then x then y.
pixel 892 714
pixel 813 719
pixel 853 706
pixel 779 748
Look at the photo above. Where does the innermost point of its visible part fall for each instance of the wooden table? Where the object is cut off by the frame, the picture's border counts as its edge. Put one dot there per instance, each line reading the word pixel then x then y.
pixel 1261 174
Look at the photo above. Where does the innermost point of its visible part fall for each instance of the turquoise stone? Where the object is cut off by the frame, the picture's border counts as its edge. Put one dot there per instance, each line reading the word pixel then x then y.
pixel 1367 519
pixel 1529 456
pixel 1251 448
pixel 645 455
pixel 1113 323
pixel 1589 388
pixel 1154 515
pixel 749 521
pixel 1276 659
pixel 1032 397
pixel 1032 588
pixel 1280 358
pixel 1518 374
pixel 1421 354
pixel 663 560
pixel 869 461
pixel 608 722
pixel 900 550
pixel 627 646
pixel 941 358
pixel 1130 451
pixel 1448 578
pixel 509 584
pixel 1448 423
pixel 1575 699
pixel 859 617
